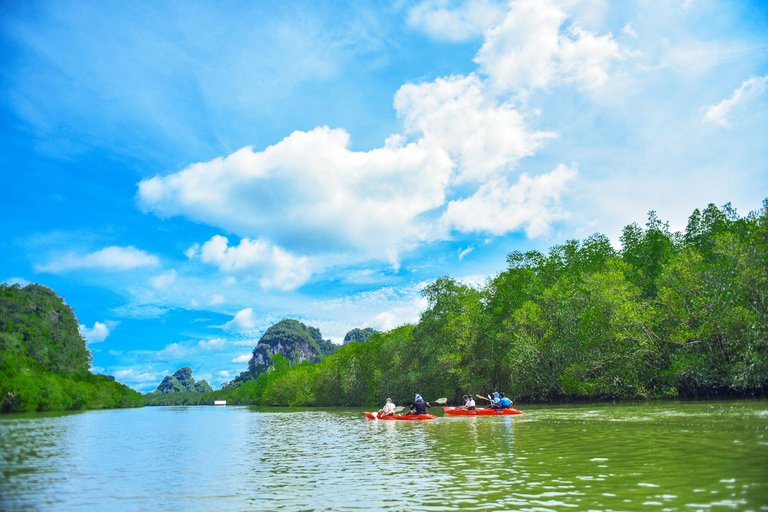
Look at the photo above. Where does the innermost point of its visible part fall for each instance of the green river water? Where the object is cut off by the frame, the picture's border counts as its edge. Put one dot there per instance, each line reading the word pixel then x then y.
pixel 638 456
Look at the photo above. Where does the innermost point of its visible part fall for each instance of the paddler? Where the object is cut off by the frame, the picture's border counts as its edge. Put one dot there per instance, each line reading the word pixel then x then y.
pixel 419 406
pixel 504 402
pixel 470 403
pixel 388 409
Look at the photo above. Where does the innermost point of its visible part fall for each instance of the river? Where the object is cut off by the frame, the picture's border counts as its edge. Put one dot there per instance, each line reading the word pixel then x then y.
pixel 637 456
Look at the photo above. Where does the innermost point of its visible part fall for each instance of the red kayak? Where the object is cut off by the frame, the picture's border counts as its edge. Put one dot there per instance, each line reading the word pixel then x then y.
pixel 455 411
pixel 405 417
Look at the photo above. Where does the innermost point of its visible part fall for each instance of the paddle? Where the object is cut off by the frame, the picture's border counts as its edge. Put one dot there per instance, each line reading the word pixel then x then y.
pixel 484 398
pixel 439 401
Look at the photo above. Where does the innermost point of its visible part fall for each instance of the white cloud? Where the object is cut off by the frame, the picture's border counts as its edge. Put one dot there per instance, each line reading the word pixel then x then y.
pixel 527 50
pixel 216 300
pixel 309 193
pixel 244 320
pixel 276 267
pixel 224 373
pixel 111 258
pixel 458 114
pixel 132 376
pixel 173 352
pixel 163 280
pixel 214 344
pixel 99 332
pixel 464 252
pixel 686 5
pixel 193 251
pixel 498 207
pixel 629 30
pixel 718 114
pixel 455 21
pixel 242 359
pixel 309 202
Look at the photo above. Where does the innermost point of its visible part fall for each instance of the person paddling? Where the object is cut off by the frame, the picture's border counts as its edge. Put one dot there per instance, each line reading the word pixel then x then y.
pixel 504 402
pixel 470 403
pixel 419 406
pixel 388 409
pixel 501 402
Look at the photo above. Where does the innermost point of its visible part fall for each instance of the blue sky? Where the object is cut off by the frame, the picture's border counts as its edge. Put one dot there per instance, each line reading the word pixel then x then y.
pixel 186 174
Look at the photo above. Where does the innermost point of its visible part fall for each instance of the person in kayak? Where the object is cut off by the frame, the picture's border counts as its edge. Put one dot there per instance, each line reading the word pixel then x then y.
pixel 470 404
pixel 388 409
pixel 502 403
pixel 419 406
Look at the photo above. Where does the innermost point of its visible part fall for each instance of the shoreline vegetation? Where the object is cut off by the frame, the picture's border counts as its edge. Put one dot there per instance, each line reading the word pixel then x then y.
pixel 669 315
pixel 44 360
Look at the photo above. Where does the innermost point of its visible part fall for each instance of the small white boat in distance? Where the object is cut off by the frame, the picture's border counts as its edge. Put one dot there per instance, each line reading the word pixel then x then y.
pixel 219 402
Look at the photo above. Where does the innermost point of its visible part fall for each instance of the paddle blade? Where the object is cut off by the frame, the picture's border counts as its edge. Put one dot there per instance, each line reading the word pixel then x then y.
pixel 399 408
pixel 441 400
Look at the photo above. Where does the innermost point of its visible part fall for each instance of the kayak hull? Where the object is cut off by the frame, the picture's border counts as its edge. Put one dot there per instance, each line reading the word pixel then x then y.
pixel 480 412
pixel 407 417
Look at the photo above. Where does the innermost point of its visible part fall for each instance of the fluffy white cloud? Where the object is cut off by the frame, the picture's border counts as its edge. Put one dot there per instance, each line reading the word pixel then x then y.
pixel 498 207
pixel 455 21
pixel 163 280
pixel 111 258
pixel 244 320
pixel 223 373
pixel 718 114
pixel 214 344
pixel 458 114
pixel 173 352
pixel 528 50
pixel 276 267
pixel 308 201
pixel 242 359
pixel 309 193
pixel 99 332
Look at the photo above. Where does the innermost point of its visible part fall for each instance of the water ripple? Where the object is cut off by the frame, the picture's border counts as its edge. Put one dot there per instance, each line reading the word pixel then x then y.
pixel 671 456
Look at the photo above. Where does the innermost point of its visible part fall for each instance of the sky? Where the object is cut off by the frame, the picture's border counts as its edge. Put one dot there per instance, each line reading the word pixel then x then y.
pixel 186 174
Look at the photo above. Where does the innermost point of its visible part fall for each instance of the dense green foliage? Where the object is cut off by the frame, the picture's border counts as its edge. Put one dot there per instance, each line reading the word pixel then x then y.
pixel 183 382
pixel 670 314
pixel 44 361
pixel 361 335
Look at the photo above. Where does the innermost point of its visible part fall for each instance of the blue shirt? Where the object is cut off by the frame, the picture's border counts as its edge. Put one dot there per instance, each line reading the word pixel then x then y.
pixel 505 402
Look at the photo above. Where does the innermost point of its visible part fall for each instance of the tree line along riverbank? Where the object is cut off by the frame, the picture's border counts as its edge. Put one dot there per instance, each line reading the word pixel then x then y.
pixel 667 315
pixel 44 360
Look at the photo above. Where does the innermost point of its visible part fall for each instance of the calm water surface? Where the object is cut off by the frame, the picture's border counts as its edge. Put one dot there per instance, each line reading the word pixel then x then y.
pixel 649 456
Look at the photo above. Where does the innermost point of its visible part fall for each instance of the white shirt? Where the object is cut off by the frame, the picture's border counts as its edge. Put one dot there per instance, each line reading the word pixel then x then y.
pixel 470 402
pixel 389 407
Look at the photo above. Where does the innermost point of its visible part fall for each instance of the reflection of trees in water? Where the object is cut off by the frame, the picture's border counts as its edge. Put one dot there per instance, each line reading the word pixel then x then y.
pixel 32 448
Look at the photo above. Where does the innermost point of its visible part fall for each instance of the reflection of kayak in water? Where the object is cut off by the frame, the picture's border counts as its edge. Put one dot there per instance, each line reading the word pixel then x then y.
pixel 406 417
pixel 480 412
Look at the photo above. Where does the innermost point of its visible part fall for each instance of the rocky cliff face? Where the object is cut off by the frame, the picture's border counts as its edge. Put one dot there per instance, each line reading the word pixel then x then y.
pixel 293 340
pixel 182 382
